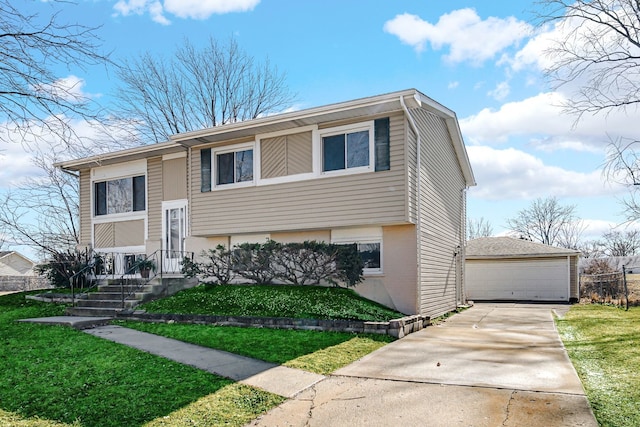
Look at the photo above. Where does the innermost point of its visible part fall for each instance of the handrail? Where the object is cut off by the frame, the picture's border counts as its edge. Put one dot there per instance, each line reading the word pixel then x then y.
pixel 128 269
pixel 82 274
pixel 147 266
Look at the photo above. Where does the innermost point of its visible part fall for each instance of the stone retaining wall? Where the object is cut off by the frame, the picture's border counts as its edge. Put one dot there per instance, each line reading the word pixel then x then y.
pixel 396 328
pixel 23 283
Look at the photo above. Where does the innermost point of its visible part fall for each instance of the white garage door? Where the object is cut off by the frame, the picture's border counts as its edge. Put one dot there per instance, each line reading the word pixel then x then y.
pixel 526 280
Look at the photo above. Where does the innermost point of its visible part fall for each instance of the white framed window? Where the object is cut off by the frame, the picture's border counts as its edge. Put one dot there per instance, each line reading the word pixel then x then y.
pixel 232 166
pixel 347 149
pixel 369 242
pixel 119 196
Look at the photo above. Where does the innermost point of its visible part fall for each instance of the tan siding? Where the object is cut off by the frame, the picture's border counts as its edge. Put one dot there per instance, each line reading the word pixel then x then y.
pixel 574 293
pixel 441 212
pixel 103 235
pixel 302 236
pixel 128 233
pixel 273 152
pixel 154 197
pixel 299 153
pixel 338 201
pixel 85 207
pixel 286 155
pixel 174 179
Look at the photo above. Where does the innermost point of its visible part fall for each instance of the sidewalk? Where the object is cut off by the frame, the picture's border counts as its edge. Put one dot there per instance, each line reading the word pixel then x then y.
pixel 273 378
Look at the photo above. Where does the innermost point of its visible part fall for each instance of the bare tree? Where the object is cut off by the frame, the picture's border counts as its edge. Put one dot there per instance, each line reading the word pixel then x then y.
pixel 36 100
pixel 591 249
pixel 545 221
pixel 479 228
pixel 617 243
pixel 596 57
pixel 196 89
pixel 42 212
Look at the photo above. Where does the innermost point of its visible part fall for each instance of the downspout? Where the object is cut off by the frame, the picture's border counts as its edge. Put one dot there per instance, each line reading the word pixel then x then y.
pixel 413 126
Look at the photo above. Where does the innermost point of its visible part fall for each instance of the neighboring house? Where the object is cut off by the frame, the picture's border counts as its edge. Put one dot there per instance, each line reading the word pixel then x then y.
pixel 342 173
pixel 15 264
pixel 16 273
pixel 506 268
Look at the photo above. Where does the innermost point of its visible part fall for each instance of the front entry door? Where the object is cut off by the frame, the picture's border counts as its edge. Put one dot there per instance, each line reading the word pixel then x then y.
pixel 174 230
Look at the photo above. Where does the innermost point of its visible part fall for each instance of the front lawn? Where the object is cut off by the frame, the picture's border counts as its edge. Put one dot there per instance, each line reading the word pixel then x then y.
pixel 55 374
pixel 313 351
pixel 313 302
pixel 603 343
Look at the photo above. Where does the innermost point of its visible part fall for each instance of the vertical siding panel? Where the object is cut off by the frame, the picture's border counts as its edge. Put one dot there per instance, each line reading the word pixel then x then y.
pixel 85 207
pixel 154 197
pixel 273 153
pixel 103 235
pixel 441 210
pixel 128 233
pixel 174 179
pixel 299 153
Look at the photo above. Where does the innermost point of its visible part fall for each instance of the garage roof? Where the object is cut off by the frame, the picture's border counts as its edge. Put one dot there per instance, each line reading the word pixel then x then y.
pixel 510 247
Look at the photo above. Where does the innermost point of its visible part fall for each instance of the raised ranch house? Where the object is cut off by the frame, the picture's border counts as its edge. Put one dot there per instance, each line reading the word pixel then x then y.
pixel 388 172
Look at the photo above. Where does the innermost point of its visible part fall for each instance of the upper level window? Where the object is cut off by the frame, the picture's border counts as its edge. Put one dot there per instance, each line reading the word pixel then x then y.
pixel 234 167
pixel 120 195
pixel 347 148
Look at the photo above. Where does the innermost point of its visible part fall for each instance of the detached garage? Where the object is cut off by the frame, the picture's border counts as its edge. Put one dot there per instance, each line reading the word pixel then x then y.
pixel 505 268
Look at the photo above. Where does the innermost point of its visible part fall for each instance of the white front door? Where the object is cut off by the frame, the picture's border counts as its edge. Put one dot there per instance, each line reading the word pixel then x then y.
pixel 174 230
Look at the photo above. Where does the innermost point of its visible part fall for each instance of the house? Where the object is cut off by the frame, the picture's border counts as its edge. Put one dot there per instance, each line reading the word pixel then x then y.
pixel 506 268
pixel 388 172
pixel 17 273
pixel 13 263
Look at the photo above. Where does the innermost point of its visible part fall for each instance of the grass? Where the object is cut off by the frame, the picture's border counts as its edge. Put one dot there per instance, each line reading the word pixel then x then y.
pixel 316 302
pixel 603 343
pixel 314 351
pixel 60 377
pixel 54 375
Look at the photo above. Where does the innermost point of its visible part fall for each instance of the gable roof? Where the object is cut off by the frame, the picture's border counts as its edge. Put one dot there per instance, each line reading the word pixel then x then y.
pixel 510 247
pixel 375 105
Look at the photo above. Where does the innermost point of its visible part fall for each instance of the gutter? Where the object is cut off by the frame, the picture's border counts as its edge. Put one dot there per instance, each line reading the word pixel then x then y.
pixel 413 126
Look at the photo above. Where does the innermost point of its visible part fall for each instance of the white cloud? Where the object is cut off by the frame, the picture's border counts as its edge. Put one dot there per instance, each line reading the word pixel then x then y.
pixel 513 174
pixel 70 88
pixel 468 37
pixel 186 9
pixel 453 85
pixel 541 119
pixel 501 91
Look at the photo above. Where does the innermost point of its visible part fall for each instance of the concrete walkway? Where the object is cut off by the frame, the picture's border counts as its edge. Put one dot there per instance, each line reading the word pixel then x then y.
pixel 492 365
pixel 276 379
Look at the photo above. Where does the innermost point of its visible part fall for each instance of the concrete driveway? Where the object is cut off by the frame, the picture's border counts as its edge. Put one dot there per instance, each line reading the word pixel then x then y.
pixel 491 365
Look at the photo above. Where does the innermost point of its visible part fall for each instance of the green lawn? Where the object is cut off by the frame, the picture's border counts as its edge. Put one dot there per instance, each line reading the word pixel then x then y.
pixel 314 302
pixel 603 343
pixel 58 376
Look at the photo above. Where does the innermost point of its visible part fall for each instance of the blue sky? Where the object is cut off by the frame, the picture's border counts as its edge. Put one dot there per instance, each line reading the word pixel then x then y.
pixel 481 59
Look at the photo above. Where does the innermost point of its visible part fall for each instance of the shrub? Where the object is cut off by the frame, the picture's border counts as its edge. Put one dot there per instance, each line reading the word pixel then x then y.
pixel 62 265
pixel 307 263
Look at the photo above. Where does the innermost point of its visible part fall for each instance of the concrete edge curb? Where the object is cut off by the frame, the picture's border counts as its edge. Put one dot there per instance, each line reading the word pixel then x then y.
pixel 396 328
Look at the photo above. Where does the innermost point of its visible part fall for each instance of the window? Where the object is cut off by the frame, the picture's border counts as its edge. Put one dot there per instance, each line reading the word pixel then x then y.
pixel 346 150
pixel 234 167
pixel 369 243
pixel 120 195
pixel 357 148
pixel 370 255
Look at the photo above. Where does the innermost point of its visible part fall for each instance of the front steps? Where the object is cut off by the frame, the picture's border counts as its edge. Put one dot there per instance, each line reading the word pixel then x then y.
pixel 108 300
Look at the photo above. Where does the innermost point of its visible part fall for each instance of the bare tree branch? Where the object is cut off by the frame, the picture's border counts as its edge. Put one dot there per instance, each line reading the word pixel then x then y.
pixel 196 89
pixel 546 221
pixel 479 228
pixel 34 99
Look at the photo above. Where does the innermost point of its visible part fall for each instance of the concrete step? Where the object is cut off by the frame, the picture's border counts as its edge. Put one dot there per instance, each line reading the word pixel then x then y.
pixel 105 303
pixel 104 295
pixel 92 311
